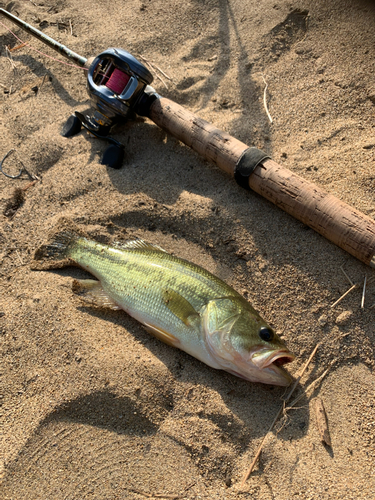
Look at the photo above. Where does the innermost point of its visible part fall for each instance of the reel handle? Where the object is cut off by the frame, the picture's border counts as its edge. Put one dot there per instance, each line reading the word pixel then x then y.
pixel 340 223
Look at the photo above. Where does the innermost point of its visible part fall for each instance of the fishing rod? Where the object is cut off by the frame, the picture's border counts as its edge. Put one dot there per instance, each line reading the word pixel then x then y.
pixel 119 85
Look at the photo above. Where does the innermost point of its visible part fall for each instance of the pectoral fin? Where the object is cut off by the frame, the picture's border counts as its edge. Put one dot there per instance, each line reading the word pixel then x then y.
pixel 180 306
pixel 91 291
pixel 162 335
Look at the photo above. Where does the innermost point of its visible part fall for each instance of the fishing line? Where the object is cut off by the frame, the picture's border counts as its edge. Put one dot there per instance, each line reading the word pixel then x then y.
pixel 42 53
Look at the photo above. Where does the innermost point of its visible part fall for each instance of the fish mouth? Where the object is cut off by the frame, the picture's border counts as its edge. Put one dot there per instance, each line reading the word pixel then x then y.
pixel 264 365
pixel 263 357
pixel 270 364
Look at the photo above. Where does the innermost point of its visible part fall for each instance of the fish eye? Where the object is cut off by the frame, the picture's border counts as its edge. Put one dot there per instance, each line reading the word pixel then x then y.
pixel 266 334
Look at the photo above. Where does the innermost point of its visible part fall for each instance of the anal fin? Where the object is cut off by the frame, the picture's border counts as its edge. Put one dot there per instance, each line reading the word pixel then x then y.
pixel 162 335
pixel 91 291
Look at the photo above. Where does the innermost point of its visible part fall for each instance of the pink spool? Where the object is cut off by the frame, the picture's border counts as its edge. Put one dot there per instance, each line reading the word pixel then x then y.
pixel 117 81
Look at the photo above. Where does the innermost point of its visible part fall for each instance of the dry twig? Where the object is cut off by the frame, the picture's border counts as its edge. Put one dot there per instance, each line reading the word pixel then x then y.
pixel 162 72
pixel 154 69
pixel 10 59
pixel 265 100
pixel 17 47
pixel 322 421
pixel 343 296
pixel 311 386
pixel 350 281
pixel 363 294
pixel 250 470
pixel 19 256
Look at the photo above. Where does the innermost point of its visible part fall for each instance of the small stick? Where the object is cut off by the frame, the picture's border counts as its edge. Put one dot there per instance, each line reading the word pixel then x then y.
pixel 157 76
pixel 13 49
pixel 12 63
pixel 350 281
pixel 162 72
pixel 19 256
pixel 71 27
pixel 322 421
pixel 157 67
pixel 160 78
pixel 363 294
pixel 29 185
pixel 265 100
pixel 250 470
pixel 343 296
pixel 313 384
pixel 43 81
pixel 154 70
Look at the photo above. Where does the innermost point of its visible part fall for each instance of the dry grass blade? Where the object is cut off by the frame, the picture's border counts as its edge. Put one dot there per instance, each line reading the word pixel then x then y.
pixel 20 258
pixel 311 386
pixel 154 69
pixel 343 296
pixel 350 281
pixel 10 59
pixel 162 72
pixel 250 469
pixel 265 100
pixel 363 294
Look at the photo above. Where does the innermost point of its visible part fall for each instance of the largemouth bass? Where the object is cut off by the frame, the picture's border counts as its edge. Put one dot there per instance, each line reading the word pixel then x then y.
pixel 179 302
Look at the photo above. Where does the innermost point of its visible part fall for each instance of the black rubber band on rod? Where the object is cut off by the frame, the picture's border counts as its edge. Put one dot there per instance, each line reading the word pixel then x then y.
pixel 246 165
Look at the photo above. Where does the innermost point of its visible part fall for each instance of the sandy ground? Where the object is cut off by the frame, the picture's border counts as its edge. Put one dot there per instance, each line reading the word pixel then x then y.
pixel 94 407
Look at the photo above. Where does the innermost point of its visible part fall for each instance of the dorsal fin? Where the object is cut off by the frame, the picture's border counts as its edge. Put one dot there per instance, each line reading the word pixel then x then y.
pixel 137 244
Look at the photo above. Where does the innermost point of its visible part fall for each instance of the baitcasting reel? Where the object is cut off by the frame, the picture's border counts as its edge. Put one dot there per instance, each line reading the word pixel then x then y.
pixel 118 84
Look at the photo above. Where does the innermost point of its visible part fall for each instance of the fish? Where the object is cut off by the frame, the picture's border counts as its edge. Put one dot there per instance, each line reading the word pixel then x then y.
pixel 177 301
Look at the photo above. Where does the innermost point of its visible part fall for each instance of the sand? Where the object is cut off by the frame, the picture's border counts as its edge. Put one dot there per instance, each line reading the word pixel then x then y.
pixel 92 406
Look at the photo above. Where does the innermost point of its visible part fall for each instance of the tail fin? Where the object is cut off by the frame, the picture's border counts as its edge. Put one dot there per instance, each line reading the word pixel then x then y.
pixel 56 252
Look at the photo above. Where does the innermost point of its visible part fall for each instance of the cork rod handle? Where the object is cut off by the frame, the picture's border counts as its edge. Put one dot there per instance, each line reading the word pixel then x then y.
pixel 340 223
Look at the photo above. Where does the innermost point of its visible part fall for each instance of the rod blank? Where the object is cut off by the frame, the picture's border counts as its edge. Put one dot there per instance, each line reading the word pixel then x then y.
pixel 59 47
